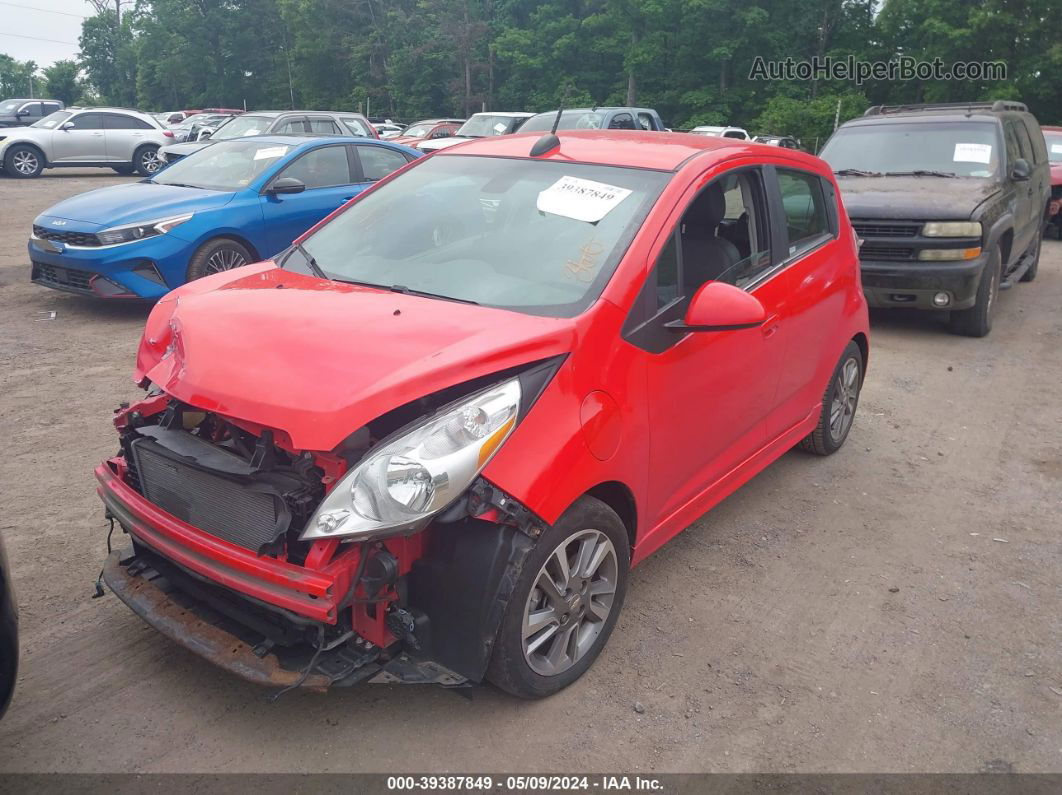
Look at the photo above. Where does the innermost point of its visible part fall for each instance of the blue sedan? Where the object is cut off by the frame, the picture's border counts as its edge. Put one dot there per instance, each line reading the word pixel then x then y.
pixel 231 203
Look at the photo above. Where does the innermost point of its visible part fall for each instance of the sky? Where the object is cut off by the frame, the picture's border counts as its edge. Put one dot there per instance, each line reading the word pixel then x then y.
pixel 24 23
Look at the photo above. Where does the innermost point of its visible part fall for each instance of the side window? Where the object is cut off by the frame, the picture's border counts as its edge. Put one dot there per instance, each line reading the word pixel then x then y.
pixel 1025 143
pixel 355 126
pixel 645 121
pixel 377 162
pixel 88 121
pixel 50 107
pixel 734 134
pixel 290 126
pixel 804 205
pixel 116 121
pixel 32 109
pixel 1039 145
pixel 322 125
pixel 443 132
pixel 622 121
pixel 321 168
pixel 1013 150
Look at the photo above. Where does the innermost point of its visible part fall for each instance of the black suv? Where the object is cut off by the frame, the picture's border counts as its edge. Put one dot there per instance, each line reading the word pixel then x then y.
pixel 949 201
pixel 24 112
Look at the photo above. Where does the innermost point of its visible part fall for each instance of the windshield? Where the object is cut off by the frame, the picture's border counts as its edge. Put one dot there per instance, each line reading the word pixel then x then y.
pixel 10 106
pixel 1054 146
pixel 570 120
pixel 532 236
pixel 52 120
pixel 226 166
pixel 963 149
pixel 418 130
pixel 241 126
pixel 484 124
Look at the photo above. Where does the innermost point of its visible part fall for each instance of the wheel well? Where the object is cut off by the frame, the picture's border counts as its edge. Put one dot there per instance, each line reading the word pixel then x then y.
pixel 1005 242
pixel 860 339
pixel 34 147
pixel 255 257
pixel 620 499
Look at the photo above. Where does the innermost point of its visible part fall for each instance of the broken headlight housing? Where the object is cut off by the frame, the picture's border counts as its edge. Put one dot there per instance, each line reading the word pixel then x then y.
pixel 420 470
pixel 130 233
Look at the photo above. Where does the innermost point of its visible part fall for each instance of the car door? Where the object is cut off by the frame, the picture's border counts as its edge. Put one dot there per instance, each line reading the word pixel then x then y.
pixel 709 392
pixel 814 278
pixel 82 141
pixel 328 174
pixel 29 113
pixel 1034 186
pixel 124 134
pixel 1021 198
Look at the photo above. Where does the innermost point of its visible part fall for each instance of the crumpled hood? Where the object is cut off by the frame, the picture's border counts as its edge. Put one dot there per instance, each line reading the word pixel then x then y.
pixel 137 201
pixel 319 359
pixel 914 198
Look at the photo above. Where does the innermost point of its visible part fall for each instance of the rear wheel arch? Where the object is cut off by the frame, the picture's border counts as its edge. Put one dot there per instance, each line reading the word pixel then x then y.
pixel 861 340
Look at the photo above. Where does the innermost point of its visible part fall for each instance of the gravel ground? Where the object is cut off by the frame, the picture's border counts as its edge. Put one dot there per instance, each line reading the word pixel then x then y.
pixel 896 607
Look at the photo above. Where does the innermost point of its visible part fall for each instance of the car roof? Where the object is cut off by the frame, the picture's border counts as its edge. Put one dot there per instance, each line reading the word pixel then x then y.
pixel 626 148
pixel 518 114
pixel 309 140
pixel 438 121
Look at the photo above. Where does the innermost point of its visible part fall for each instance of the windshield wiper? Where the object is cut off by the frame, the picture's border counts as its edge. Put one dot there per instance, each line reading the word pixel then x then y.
pixel 856 172
pixel 306 255
pixel 179 185
pixel 399 288
pixel 919 173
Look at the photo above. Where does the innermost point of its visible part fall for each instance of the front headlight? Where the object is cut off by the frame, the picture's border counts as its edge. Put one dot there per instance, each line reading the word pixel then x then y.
pixel 133 232
pixel 952 229
pixel 421 471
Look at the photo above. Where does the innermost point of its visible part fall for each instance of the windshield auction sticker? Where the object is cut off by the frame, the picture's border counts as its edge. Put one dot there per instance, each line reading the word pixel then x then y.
pixel 580 199
pixel 972 153
pixel 270 152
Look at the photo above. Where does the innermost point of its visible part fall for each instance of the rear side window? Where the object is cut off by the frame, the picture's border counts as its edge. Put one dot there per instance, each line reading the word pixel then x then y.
pixel 645 121
pixel 88 121
pixel 116 121
pixel 322 125
pixel 355 126
pixel 377 162
pixel 50 107
pixel 321 168
pixel 804 206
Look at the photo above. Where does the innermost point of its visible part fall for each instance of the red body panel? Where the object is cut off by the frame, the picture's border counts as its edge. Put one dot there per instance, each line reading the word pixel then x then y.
pixel 680 430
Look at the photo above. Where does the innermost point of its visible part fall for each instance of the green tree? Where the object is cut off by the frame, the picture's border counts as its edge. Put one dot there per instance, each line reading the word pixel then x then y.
pixel 62 82
pixel 16 77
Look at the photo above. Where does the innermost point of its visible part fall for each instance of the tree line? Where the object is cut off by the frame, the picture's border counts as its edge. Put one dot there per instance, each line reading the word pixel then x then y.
pixel 689 59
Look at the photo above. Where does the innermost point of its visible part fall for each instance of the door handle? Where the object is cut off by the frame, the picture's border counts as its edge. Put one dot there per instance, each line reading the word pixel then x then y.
pixel 770 326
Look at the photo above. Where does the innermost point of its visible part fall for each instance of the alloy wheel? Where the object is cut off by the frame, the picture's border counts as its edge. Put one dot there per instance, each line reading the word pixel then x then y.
pixel 224 259
pixel 569 602
pixel 845 397
pixel 25 162
pixel 150 161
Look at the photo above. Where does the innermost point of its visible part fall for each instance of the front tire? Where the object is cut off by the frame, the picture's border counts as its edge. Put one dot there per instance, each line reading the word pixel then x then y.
pixel 217 255
pixel 977 320
pixel 23 161
pixel 565 603
pixel 839 403
pixel 146 161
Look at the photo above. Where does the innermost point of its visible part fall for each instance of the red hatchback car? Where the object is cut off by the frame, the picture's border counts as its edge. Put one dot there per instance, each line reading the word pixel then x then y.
pixel 432 452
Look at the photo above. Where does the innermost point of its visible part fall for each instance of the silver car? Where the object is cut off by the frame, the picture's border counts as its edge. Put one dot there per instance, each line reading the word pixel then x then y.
pixel 124 140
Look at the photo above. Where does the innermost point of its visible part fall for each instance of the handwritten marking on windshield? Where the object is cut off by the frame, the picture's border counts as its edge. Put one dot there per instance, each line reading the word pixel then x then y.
pixel 584 268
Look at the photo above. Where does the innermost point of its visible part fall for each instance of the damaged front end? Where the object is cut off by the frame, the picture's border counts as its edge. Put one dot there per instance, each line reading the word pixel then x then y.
pixel 230 556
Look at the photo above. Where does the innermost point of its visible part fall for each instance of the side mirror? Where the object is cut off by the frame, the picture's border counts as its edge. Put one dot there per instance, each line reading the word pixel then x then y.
pixel 204 134
pixel 718 306
pixel 23 112
pixel 1021 170
pixel 66 125
pixel 287 185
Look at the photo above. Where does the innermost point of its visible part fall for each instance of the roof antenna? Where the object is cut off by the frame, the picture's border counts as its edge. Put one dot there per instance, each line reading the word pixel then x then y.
pixel 549 142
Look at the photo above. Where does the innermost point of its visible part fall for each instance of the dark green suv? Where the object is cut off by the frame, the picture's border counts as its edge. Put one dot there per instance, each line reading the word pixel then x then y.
pixel 949 201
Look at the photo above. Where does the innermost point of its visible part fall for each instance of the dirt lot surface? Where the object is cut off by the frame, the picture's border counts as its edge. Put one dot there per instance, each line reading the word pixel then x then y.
pixel 897 607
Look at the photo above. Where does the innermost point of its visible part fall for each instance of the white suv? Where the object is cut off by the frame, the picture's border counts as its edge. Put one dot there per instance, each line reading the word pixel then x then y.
pixel 124 140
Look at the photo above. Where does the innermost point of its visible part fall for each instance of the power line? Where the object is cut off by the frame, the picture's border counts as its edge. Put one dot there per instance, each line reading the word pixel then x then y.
pixel 45 10
pixel 38 38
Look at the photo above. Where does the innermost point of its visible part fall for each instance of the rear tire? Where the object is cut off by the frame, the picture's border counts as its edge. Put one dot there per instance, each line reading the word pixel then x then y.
pixel 977 320
pixel 839 404
pixel 146 161
pixel 23 161
pixel 217 255
pixel 569 606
